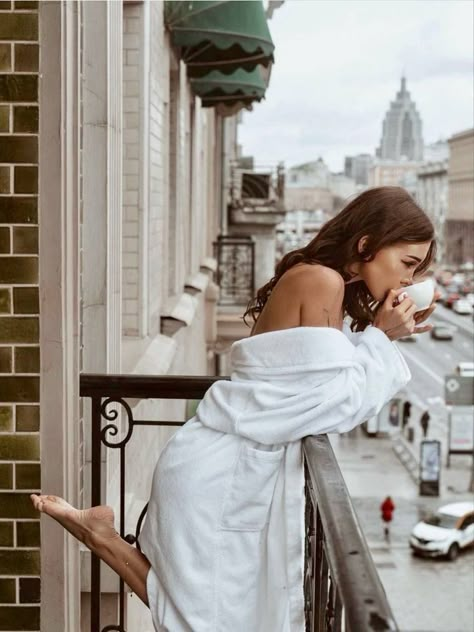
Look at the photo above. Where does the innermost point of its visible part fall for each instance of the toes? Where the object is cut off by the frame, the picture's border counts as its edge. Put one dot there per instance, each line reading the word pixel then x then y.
pixel 37 502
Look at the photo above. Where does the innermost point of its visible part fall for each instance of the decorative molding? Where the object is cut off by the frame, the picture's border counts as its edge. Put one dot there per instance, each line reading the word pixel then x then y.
pixel 102 187
pixel 144 171
pixel 59 268
pixel 113 86
pixel 208 264
pixel 181 315
pixel 197 283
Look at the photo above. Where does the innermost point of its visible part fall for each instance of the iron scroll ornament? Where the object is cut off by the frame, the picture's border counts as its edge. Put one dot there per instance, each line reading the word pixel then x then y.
pixel 112 415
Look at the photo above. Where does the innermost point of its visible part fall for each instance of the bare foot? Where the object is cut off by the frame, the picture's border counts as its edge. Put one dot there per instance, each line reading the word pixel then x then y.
pixel 90 526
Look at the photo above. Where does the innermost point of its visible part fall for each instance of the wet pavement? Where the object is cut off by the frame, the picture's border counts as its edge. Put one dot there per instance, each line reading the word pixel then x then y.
pixel 426 595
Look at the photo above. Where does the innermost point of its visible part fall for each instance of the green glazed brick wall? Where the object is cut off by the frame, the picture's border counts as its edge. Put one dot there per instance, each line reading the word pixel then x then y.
pixel 20 590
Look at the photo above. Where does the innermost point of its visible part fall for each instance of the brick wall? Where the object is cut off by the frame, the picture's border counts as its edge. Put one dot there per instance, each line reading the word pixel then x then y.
pixel 19 311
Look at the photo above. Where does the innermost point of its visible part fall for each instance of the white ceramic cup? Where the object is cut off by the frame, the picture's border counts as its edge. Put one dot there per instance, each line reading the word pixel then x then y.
pixel 421 293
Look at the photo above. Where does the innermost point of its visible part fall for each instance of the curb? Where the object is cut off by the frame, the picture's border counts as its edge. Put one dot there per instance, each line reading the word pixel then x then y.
pixel 407 457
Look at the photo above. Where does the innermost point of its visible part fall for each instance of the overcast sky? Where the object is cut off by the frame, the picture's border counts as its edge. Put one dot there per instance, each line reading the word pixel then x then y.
pixel 338 65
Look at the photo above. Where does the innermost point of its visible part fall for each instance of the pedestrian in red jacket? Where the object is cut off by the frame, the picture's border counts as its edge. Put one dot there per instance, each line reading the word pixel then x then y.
pixel 387 508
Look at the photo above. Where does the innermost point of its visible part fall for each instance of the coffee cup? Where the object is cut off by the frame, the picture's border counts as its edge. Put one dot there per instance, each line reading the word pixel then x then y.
pixel 421 293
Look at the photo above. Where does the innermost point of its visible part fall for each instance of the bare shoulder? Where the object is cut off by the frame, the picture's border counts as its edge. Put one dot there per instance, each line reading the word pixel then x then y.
pixel 304 277
pixel 319 291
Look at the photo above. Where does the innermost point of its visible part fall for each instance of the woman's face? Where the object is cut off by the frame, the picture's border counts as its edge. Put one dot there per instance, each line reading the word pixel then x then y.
pixel 392 267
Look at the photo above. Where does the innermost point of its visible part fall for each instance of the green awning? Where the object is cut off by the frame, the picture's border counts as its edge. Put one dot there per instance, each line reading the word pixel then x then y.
pixel 216 87
pixel 220 35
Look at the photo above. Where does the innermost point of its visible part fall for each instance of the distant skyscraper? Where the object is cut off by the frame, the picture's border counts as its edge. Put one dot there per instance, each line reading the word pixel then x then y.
pixel 401 132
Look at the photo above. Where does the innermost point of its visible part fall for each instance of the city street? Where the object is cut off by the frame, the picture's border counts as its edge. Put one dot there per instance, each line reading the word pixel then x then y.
pixel 426 595
pixel 429 361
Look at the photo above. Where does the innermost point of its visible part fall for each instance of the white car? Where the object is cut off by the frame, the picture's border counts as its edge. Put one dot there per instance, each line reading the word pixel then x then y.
pixel 465 369
pixel 462 307
pixel 445 532
pixel 470 298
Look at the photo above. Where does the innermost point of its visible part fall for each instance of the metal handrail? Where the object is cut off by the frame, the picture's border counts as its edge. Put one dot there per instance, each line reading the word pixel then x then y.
pixel 146 386
pixel 349 563
pixel 342 587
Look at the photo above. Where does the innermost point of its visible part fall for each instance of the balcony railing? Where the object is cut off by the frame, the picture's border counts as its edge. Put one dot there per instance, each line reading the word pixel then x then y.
pixel 235 273
pixel 342 589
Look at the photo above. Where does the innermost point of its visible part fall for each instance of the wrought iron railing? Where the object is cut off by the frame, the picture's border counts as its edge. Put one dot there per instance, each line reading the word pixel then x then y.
pixel 342 588
pixel 343 591
pixel 235 273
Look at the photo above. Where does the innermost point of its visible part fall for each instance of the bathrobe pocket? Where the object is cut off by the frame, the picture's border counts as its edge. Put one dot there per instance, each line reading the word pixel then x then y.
pixel 248 500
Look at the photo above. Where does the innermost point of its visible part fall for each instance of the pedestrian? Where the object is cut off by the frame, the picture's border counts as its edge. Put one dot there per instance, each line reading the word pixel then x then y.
pixel 424 423
pixel 387 508
pixel 393 414
pixel 223 530
pixel 406 414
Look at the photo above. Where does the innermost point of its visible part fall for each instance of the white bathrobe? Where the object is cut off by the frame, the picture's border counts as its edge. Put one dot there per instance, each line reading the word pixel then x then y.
pixel 224 532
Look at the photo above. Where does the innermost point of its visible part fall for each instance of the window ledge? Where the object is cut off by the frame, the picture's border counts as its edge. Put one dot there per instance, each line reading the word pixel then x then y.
pixel 180 315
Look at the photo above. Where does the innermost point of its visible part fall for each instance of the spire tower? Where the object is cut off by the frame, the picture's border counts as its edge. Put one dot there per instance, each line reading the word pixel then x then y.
pixel 402 129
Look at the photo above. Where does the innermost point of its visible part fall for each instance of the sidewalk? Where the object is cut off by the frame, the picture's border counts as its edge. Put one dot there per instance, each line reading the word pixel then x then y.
pixel 455 479
pixel 426 595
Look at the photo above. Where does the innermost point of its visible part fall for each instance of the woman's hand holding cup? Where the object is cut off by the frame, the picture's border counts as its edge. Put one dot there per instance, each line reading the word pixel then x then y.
pixel 395 316
pixel 407 307
pixel 425 297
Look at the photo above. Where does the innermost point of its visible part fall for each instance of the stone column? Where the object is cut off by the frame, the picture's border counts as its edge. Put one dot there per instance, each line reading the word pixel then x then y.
pixel 59 236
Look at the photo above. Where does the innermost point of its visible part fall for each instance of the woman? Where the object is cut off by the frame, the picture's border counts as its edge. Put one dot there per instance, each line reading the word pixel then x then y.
pixel 222 542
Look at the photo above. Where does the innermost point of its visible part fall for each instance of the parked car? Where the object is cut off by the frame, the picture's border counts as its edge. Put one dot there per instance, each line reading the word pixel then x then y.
pixel 451 297
pixel 462 307
pixel 442 332
pixel 470 298
pixel 465 369
pixel 445 532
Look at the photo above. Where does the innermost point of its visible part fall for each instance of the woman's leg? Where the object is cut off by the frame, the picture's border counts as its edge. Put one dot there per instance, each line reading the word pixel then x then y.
pixel 95 528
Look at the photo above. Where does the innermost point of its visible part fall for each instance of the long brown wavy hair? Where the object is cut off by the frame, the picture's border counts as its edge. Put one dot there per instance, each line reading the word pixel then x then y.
pixel 388 215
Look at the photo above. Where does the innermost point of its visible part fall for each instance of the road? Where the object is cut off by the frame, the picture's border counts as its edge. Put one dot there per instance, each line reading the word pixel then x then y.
pixel 430 360
pixel 426 595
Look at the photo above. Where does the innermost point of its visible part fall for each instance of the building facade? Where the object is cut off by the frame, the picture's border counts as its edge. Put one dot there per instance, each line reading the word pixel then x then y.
pixel 357 168
pixel 342 188
pixel 308 199
pixel 107 229
pixel 312 186
pixel 459 233
pixel 402 137
pixel 432 196
pixel 309 174
pixel 391 172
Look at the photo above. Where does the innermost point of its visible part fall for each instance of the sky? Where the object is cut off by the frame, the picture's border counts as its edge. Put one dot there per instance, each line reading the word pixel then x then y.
pixel 338 64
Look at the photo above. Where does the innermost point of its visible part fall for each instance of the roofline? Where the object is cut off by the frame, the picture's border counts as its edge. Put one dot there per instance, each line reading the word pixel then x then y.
pixel 464 134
